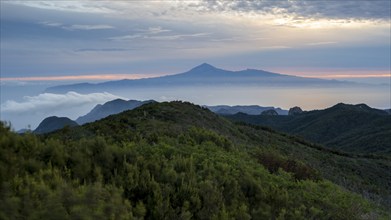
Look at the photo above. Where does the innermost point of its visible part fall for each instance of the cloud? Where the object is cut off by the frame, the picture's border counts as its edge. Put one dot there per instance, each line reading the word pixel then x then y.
pixel 331 9
pixel 126 37
pixel 322 43
pixel 88 27
pixel 102 49
pixel 154 30
pixel 84 27
pixel 151 35
pixel 363 9
pixel 177 36
pixel 72 6
pixel 154 33
pixel 48 102
pixel 158 37
pixel 51 24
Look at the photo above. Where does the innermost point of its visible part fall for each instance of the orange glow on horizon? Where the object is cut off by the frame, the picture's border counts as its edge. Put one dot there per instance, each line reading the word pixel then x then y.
pixel 331 76
pixel 103 77
pixel 81 77
pixel 334 73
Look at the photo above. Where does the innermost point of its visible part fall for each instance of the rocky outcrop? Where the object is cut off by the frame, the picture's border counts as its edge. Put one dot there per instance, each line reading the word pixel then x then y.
pixel 269 112
pixel 295 111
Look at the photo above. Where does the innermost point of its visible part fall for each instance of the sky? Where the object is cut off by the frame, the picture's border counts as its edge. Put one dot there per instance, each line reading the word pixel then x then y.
pixel 116 39
pixel 46 43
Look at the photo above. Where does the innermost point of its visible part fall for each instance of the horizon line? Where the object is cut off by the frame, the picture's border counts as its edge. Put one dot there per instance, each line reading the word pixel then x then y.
pixel 81 77
pixel 101 77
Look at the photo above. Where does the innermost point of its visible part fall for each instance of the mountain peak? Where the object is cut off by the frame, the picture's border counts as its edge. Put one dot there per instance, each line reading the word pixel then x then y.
pixel 204 67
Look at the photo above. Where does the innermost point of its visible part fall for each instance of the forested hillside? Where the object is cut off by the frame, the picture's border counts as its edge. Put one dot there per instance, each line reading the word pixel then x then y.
pixel 180 161
pixel 349 128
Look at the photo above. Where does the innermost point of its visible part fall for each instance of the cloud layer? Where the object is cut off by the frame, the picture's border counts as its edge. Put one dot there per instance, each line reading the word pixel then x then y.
pixel 48 102
pixel 362 9
pixel 349 9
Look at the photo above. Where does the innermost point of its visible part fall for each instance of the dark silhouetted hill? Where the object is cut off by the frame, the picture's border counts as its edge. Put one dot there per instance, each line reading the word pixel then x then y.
pixel 269 112
pixel 54 123
pixel 351 128
pixel 295 111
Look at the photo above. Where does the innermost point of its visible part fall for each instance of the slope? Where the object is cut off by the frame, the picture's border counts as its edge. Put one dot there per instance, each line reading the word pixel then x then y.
pixel 177 160
pixel 351 128
pixel 152 122
pixel 109 108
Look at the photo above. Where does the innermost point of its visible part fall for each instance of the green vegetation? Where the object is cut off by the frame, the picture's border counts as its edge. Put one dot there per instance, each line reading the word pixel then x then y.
pixel 349 128
pixel 180 161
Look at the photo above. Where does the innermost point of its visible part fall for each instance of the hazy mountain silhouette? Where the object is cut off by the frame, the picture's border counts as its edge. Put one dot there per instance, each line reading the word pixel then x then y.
pixel 248 109
pixel 109 108
pixel 119 105
pixel 202 75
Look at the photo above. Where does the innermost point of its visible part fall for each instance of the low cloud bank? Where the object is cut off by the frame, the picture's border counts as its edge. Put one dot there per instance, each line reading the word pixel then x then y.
pixel 51 102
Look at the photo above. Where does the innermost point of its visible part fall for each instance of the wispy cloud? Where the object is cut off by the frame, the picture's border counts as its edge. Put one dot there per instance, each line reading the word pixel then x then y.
pixel 51 102
pixel 321 43
pixel 158 37
pixel 102 50
pixel 153 30
pixel 141 33
pixel 88 27
pixel 72 6
pixel 177 36
pixel 51 24
pixel 85 27
pixel 126 37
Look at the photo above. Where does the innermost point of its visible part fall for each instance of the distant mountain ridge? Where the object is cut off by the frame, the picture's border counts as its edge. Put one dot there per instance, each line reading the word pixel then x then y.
pixel 100 111
pixel 109 108
pixel 119 105
pixel 352 128
pixel 202 75
pixel 247 109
